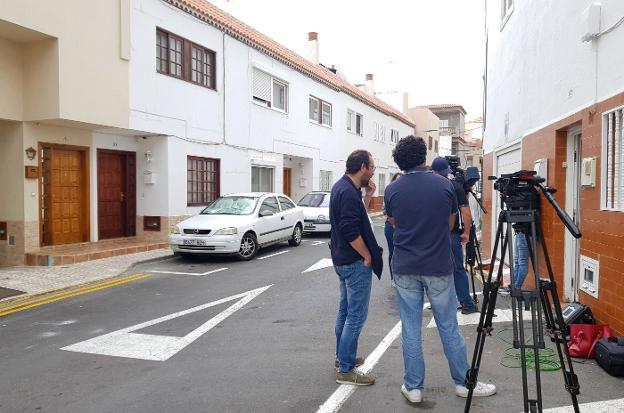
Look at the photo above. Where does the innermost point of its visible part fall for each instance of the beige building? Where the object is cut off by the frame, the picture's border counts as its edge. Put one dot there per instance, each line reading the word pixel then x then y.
pixel 427 127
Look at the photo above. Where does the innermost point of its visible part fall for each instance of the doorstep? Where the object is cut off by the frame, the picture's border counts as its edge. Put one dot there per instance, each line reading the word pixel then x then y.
pixel 88 251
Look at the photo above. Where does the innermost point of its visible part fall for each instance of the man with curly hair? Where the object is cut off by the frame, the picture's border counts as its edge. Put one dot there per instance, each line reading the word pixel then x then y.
pixel 423 206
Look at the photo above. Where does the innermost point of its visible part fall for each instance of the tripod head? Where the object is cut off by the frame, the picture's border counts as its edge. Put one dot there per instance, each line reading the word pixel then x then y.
pixel 520 190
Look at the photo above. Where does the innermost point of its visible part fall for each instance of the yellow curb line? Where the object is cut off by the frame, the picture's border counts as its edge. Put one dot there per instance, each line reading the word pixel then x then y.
pixel 47 299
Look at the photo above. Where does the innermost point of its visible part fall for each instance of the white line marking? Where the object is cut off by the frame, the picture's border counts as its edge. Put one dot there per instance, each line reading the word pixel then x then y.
pixel 340 396
pixel 317 243
pixel 273 255
pixel 187 273
pixel 125 343
pixel 604 406
pixel 473 319
pixel 322 263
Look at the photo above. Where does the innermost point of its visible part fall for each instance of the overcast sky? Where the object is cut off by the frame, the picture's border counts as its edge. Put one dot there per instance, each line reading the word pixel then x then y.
pixel 433 49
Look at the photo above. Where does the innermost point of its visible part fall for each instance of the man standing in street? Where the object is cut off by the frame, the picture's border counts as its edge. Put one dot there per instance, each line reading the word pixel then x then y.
pixel 459 236
pixel 355 255
pixel 423 206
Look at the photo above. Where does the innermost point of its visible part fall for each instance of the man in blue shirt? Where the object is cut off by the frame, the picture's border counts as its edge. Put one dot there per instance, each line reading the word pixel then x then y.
pixel 355 254
pixel 423 206
pixel 459 236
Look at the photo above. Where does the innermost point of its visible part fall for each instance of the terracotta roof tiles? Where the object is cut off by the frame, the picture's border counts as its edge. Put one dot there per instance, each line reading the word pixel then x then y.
pixel 208 12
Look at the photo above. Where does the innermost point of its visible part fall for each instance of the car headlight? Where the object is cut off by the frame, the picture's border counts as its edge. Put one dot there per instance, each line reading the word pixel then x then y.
pixel 227 231
pixel 176 230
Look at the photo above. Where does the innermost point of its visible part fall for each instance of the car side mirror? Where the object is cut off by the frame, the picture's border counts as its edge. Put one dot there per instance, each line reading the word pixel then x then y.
pixel 266 213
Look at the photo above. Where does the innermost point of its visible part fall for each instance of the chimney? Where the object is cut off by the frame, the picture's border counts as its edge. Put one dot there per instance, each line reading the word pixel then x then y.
pixel 369 84
pixel 313 47
pixel 405 102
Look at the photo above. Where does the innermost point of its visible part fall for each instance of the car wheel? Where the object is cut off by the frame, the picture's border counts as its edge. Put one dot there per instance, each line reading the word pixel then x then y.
pixel 248 247
pixel 295 240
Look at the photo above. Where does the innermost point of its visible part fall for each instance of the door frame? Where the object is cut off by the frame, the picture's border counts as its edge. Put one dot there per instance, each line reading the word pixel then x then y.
pixel 284 182
pixel 86 187
pixel 571 254
pixel 129 230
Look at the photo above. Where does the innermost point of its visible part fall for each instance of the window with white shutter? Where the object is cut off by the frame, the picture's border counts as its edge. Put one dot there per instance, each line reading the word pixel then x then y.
pixel 262 87
pixel 612 188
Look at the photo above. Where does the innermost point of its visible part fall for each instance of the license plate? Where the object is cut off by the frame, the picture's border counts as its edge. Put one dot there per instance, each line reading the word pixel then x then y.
pixel 194 242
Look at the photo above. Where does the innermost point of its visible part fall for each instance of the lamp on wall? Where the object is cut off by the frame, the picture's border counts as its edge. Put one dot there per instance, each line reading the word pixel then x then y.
pixel 31 153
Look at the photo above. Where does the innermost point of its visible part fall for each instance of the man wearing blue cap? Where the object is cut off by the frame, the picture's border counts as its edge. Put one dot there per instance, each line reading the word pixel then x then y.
pixel 459 236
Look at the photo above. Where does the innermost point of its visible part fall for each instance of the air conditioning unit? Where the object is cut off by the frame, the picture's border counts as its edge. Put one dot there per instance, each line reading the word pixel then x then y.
pixel 588 172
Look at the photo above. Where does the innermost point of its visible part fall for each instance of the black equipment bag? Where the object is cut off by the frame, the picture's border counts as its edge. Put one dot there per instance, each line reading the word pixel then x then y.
pixel 610 355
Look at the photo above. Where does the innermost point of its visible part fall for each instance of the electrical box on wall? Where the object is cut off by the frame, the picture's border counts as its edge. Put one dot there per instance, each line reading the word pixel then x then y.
pixel 149 178
pixel 588 172
pixel 541 167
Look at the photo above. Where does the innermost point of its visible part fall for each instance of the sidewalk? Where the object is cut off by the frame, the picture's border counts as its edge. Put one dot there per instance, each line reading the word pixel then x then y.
pixel 36 280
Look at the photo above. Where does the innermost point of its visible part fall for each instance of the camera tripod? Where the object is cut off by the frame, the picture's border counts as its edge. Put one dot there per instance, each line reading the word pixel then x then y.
pixel 473 251
pixel 543 303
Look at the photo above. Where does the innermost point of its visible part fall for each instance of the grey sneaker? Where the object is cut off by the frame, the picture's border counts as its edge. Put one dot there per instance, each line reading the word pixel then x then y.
pixel 355 377
pixel 480 390
pixel 358 362
pixel 413 396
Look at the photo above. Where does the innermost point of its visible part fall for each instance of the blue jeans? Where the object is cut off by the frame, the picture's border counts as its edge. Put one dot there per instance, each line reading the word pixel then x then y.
pixel 389 232
pixel 459 275
pixel 410 296
pixel 355 289
pixel 521 259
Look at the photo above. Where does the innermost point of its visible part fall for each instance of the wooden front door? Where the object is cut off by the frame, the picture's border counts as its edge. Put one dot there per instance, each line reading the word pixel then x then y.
pixel 63 195
pixel 116 194
pixel 287 181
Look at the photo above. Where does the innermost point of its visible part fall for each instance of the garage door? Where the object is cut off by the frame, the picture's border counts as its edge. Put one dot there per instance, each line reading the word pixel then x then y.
pixel 507 161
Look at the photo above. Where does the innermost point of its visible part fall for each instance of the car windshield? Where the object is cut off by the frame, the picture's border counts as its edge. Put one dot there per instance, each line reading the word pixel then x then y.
pixel 232 205
pixel 315 201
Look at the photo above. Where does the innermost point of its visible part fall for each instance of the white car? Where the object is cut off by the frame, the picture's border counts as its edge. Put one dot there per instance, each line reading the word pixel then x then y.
pixel 239 224
pixel 316 211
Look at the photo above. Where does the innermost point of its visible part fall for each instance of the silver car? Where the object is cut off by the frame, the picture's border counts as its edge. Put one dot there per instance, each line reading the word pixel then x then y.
pixel 239 224
pixel 316 211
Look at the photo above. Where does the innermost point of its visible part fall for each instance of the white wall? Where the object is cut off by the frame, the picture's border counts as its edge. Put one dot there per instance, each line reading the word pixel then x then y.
pixel 540 70
pixel 226 124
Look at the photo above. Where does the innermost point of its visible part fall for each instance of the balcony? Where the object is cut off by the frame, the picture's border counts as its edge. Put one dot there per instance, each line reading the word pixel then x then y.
pixel 448 131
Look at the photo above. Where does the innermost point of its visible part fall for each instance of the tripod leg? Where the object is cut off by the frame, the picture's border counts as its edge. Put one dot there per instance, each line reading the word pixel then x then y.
pixel 472 277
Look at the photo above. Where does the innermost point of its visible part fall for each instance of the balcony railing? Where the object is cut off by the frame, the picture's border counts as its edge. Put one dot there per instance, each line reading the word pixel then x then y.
pixel 445 131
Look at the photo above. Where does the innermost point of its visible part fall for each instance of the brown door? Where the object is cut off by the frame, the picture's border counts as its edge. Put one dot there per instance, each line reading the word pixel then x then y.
pixel 287 181
pixel 64 202
pixel 116 194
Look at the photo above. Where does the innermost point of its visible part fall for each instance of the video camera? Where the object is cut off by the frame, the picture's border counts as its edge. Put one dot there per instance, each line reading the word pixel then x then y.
pixel 466 178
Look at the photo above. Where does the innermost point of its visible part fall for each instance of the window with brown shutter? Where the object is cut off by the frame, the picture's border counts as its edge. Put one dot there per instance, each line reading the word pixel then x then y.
pixel 202 182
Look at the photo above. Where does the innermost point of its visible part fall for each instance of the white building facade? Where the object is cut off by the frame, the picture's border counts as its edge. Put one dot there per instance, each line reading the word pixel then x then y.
pixel 554 98
pixel 211 107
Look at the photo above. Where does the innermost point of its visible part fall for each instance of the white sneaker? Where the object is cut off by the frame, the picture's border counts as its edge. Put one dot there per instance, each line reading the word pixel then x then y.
pixel 480 390
pixel 414 395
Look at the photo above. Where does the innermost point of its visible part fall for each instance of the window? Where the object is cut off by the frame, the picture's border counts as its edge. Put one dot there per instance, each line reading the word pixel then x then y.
pixel 270 204
pixel 261 179
pixel 380 133
pixel 320 111
pixel 612 162
pixel 436 147
pixel 359 124
pixel 590 269
pixel 350 120
pixel 444 123
pixel 382 183
pixel 430 142
pixel 454 148
pixel 202 180
pixel 506 10
pixel 181 58
pixel 269 91
pixel 326 181
pixel 285 203
pixel 394 136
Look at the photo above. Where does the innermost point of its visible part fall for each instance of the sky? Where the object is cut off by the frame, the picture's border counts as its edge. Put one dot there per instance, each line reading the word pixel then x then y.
pixel 432 49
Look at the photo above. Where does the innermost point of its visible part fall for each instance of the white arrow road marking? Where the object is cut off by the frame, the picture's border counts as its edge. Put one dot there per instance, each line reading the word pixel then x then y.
pixel 345 391
pixel 317 243
pixel 199 274
pixel 125 343
pixel 322 263
pixel 273 255
pixel 605 406
pixel 473 319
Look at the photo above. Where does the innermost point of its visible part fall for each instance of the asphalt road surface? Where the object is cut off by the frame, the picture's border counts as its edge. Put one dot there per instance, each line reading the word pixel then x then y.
pixel 218 335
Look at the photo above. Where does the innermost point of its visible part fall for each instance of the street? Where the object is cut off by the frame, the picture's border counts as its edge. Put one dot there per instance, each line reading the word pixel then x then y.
pixel 258 337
